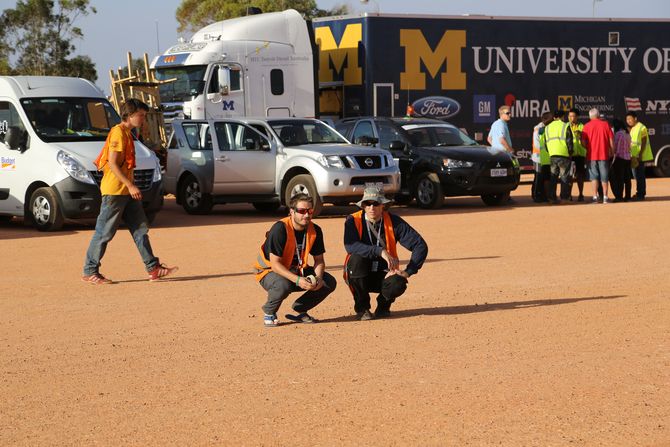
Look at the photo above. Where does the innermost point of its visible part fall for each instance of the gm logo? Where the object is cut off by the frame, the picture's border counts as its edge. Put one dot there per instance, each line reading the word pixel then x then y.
pixel 484 108
pixel 228 105
pixel 565 102
pixel 439 107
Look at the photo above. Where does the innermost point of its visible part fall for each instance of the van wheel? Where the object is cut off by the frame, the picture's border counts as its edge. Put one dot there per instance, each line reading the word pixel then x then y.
pixel 193 199
pixel 663 167
pixel 303 183
pixel 495 199
pixel 266 207
pixel 44 210
pixel 428 191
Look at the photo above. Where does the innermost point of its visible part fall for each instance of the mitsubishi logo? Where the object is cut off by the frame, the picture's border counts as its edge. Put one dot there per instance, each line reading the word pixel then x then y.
pixel 498 165
pixel 369 162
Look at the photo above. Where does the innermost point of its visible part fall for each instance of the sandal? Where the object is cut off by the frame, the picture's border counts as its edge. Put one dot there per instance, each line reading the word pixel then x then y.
pixel 303 317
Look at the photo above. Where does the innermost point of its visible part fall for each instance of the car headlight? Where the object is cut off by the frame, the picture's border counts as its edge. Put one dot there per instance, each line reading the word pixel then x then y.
pixel 157 173
pixel 331 161
pixel 451 163
pixel 390 162
pixel 75 169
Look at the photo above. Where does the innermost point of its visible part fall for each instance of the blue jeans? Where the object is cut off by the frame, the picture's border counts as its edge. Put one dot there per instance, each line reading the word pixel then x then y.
pixel 640 177
pixel 113 209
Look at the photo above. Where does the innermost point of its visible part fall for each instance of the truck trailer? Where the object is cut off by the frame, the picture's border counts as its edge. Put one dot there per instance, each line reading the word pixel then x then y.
pixel 463 68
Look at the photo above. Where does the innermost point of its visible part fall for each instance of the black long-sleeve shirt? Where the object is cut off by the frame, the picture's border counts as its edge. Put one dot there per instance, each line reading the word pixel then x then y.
pixel 405 235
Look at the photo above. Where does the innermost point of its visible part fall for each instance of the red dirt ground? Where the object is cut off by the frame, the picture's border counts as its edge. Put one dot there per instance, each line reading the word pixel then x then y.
pixel 528 326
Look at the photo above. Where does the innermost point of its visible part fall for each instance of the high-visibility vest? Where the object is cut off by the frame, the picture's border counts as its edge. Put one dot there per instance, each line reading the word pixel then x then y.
pixel 262 264
pixel 578 149
pixel 554 138
pixel 636 142
pixel 389 236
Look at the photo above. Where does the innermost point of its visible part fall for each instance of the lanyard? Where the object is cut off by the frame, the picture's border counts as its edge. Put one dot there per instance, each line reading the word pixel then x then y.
pixel 379 232
pixel 297 249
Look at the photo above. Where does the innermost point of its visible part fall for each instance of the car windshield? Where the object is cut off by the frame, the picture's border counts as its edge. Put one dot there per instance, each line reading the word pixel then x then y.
pixel 70 119
pixel 188 83
pixel 295 132
pixel 438 135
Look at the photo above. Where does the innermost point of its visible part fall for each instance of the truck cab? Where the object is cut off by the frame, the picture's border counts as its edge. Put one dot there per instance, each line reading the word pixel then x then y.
pixel 259 65
pixel 51 131
pixel 265 161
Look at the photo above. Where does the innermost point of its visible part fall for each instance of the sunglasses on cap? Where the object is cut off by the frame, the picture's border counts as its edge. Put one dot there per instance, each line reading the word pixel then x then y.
pixel 309 211
pixel 507 113
pixel 370 203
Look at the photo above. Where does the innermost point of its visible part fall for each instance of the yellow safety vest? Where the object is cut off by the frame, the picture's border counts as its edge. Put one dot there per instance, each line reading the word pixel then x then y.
pixel 578 149
pixel 554 138
pixel 636 134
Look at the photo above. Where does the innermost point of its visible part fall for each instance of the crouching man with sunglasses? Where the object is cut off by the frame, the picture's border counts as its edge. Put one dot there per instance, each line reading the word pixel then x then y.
pixel 372 264
pixel 282 268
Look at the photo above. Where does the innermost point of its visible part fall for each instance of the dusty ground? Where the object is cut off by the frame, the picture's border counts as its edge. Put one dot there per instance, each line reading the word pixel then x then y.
pixel 528 326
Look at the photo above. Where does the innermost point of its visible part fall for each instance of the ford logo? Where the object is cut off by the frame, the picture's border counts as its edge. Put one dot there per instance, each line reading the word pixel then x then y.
pixel 369 162
pixel 439 107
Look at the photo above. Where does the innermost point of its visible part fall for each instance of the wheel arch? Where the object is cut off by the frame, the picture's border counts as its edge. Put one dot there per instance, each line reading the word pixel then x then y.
pixel 288 175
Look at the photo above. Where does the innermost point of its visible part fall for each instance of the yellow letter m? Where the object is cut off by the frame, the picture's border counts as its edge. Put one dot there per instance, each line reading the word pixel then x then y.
pixel 418 50
pixel 330 51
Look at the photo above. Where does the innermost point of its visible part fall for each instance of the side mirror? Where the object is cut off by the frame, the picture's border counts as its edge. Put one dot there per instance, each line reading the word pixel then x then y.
pixel 397 145
pixel 15 138
pixel 223 75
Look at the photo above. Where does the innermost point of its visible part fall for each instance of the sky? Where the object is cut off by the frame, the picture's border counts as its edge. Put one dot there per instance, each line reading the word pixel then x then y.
pixel 150 26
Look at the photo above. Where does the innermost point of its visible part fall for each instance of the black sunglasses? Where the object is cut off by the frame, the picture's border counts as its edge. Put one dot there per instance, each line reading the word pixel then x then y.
pixel 370 203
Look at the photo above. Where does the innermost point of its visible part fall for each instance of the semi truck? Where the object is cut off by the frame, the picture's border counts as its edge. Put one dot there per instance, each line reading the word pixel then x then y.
pixel 456 68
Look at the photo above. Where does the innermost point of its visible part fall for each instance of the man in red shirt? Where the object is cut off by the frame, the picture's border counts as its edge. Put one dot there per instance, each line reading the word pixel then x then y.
pixel 598 139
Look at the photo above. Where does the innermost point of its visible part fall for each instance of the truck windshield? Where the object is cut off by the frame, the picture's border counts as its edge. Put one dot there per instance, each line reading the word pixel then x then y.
pixel 70 119
pixel 297 132
pixel 188 83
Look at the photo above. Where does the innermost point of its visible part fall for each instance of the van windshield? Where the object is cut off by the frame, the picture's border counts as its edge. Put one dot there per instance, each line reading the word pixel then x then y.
pixel 70 119
pixel 188 83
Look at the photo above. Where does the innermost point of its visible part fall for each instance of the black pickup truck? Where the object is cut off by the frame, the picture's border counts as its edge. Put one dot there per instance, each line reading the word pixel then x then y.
pixel 436 159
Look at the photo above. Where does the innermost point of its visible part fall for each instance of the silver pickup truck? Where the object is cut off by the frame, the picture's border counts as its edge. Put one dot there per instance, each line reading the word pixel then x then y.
pixel 266 161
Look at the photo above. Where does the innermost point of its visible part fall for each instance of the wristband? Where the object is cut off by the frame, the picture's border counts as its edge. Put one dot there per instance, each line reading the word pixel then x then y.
pixel 297 281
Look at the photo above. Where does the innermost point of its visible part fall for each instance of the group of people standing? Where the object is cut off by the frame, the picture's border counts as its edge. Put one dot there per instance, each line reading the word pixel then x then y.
pixel 610 153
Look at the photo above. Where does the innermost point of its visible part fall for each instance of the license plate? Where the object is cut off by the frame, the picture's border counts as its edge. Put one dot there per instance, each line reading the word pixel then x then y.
pixel 498 172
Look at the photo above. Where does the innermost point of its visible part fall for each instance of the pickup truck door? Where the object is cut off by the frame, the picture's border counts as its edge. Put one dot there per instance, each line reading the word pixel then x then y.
pixel 244 160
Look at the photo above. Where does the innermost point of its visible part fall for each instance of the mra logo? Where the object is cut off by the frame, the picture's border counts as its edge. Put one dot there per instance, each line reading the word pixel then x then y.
pixel 228 105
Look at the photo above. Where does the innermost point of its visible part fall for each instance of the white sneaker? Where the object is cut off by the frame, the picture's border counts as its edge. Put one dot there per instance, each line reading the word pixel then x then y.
pixel 605 200
pixel 595 199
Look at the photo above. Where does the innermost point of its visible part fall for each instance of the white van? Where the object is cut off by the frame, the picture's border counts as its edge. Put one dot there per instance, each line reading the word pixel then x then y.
pixel 51 131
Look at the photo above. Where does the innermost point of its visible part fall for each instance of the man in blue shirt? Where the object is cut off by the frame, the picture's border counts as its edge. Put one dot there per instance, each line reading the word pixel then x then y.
pixel 499 137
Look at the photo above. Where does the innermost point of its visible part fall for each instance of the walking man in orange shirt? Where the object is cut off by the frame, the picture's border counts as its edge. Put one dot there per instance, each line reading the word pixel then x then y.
pixel 121 199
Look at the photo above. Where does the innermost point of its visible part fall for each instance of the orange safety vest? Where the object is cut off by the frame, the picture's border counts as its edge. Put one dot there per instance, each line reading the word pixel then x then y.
pixel 262 264
pixel 129 146
pixel 388 234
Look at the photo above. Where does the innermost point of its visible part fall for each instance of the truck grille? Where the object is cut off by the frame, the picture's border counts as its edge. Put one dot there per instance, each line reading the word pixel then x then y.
pixel 142 178
pixel 369 161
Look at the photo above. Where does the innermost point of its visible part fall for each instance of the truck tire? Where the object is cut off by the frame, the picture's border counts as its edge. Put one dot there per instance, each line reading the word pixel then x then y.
pixel 193 199
pixel 428 191
pixel 663 167
pixel 303 183
pixel 266 207
pixel 495 199
pixel 44 210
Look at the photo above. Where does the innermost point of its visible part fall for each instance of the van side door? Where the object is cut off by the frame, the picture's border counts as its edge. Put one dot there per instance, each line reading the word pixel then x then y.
pixel 244 160
pixel 15 166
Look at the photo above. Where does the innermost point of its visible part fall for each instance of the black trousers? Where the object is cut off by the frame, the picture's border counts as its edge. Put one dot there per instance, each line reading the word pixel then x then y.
pixel 363 281
pixel 620 178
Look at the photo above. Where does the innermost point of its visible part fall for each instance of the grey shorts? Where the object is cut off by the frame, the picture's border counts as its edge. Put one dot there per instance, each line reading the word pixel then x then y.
pixel 599 170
